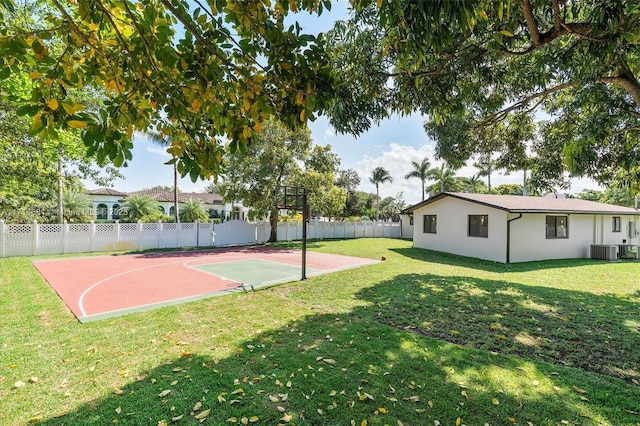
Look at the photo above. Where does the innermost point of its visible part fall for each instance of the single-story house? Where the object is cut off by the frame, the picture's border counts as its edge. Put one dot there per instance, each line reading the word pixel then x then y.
pixel 509 228
pixel 107 202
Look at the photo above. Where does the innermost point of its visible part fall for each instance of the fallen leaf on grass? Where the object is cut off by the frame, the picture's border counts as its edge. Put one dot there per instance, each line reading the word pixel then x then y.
pixel 177 418
pixel 495 401
pixel 197 407
pixel 286 417
pixel 577 389
pixel 118 410
pixel 274 398
pixel 203 414
pixel 382 410
pixel 18 384
pixel 36 419
pixel 164 393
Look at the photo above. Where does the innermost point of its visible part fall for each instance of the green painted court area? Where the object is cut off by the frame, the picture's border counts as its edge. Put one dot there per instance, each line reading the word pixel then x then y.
pixel 255 271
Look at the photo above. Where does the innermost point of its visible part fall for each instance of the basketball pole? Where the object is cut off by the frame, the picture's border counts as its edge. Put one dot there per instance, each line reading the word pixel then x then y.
pixel 305 220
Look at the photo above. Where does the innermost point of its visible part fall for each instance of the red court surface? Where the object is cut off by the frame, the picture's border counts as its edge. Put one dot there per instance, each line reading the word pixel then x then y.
pixel 105 286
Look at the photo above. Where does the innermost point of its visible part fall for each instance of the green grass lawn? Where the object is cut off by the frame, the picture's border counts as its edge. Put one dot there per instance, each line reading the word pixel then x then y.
pixel 422 338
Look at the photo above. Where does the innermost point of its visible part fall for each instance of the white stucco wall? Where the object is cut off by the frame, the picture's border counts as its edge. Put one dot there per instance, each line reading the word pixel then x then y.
pixel 529 240
pixel 603 230
pixel 407 227
pixel 452 230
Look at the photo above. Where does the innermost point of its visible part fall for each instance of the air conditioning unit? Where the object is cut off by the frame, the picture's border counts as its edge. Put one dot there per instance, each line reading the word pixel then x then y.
pixel 604 252
pixel 627 251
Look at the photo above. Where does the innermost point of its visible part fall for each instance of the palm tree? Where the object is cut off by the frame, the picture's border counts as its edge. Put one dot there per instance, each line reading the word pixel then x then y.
pixel 165 141
pixel 137 206
pixel 419 171
pixel 472 184
pixel 445 179
pixel 486 167
pixel 75 205
pixel 379 175
pixel 193 210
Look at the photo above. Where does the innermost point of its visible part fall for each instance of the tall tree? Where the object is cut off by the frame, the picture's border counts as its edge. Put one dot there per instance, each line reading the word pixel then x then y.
pixel 209 71
pixel 349 180
pixel 474 66
pixel 279 157
pixel 378 176
pixel 486 166
pixel 472 184
pixel 444 178
pixel 419 171
pixel 165 142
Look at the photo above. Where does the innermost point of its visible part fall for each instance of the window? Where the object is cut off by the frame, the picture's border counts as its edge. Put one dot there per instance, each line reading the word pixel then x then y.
pixel 115 211
pixel 411 220
pixel 479 225
pixel 617 224
pixel 172 211
pixel 161 209
pixel 557 227
pixel 102 211
pixel 430 221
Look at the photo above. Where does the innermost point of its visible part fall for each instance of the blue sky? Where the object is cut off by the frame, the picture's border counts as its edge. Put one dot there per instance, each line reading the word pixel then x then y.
pixel 392 144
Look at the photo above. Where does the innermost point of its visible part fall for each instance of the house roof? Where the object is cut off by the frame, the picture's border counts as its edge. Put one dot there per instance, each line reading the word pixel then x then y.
pixel 520 204
pixel 105 191
pixel 162 195
pixel 205 197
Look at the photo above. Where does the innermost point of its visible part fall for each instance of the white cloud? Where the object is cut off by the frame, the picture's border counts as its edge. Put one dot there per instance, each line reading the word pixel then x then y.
pixel 396 159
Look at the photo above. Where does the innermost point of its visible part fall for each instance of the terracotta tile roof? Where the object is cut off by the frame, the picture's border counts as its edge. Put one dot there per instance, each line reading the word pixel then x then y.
pixel 167 196
pixel 105 191
pixel 205 197
pixel 519 204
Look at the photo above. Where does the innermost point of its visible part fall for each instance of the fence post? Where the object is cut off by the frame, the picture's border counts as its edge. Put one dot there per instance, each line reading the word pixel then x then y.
pixel 159 234
pixel 116 228
pixel 92 235
pixel 2 239
pixel 65 232
pixel 34 238
pixel 139 229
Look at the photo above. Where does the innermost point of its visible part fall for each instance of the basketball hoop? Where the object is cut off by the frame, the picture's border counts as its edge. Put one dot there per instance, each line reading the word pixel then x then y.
pixel 295 198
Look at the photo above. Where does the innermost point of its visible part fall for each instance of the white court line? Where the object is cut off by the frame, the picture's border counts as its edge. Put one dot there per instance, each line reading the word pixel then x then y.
pixel 84 293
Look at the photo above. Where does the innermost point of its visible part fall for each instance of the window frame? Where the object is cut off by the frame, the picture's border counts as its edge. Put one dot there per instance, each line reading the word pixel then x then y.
pixel 616 224
pixel 479 228
pixel 430 229
pixel 557 235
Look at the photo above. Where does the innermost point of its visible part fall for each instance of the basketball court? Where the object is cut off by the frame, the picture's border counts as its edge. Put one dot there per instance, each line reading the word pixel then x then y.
pixel 106 286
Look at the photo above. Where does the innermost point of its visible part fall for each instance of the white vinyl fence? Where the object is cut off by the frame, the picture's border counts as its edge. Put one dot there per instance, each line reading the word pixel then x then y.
pixel 38 239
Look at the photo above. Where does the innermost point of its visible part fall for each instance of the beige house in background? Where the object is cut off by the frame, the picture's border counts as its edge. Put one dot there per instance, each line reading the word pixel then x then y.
pixel 509 228
pixel 107 202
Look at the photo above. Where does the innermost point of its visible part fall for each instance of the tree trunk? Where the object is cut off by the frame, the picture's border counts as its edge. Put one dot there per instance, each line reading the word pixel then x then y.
pixel 60 209
pixel 273 220
pixel 175 192
pixel 377 204
pixel 423 190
